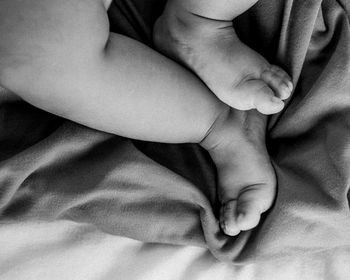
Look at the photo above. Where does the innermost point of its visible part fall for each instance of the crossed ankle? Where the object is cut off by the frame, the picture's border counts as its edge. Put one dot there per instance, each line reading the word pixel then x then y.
pixel 217 132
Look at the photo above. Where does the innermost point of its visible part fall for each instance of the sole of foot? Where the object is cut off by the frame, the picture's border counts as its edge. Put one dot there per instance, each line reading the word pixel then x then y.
pixel 246 178
pixel 236 74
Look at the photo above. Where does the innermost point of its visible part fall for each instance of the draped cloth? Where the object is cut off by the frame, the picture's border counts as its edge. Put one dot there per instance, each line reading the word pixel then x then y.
pixel 54 169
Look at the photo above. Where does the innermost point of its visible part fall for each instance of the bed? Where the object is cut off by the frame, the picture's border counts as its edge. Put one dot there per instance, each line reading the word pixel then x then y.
pixel 81 204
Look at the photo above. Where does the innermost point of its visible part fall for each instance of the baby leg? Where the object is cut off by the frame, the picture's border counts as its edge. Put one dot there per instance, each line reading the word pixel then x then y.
pixel 200 35
pixel 61 57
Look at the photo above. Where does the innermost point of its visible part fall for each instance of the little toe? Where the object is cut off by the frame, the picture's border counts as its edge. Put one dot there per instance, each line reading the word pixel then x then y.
pixel 283 74
pixel 279 81
pixel 228 218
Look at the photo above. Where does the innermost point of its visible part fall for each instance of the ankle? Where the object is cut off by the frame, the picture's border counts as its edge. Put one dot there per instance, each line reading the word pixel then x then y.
pixel 218 132
pixel 231 127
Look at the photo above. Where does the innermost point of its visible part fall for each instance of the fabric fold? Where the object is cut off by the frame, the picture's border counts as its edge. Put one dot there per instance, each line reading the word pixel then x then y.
pixel 167 193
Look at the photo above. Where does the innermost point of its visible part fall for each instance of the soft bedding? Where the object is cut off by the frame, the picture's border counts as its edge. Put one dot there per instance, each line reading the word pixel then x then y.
pixel 70 251
pixel 57 172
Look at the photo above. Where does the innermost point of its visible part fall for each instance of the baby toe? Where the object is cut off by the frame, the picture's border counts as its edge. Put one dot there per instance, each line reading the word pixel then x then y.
pixel 279 81
pixel 283 74
pixel 228 218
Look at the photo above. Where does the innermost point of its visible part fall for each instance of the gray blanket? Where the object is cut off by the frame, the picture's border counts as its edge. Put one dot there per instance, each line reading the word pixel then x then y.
pixel 52 169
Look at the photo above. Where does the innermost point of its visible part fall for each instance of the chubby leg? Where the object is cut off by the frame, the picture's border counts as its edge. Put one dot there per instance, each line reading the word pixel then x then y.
pixel 200 35
pixel 61 57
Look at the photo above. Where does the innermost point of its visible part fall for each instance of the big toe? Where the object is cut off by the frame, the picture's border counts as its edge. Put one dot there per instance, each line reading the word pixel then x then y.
pixel 279 81
pixel 244 213
pixel 252 202
pixel 248 215
pixel 235 219
pixel 257 94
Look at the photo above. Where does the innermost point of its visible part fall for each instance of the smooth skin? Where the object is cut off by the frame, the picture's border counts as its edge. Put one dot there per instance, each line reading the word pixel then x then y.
pixel 200 35
pixel 61 57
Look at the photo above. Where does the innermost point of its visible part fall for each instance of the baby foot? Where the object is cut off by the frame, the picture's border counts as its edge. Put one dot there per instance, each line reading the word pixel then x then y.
pixel 246 178
pixel 236 74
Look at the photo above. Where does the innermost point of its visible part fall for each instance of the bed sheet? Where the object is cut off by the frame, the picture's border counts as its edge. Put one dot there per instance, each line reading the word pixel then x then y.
pixel 66 250
pixel 54 170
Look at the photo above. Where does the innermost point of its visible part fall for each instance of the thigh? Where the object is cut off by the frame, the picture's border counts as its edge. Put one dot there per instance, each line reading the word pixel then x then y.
pixel 31 30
